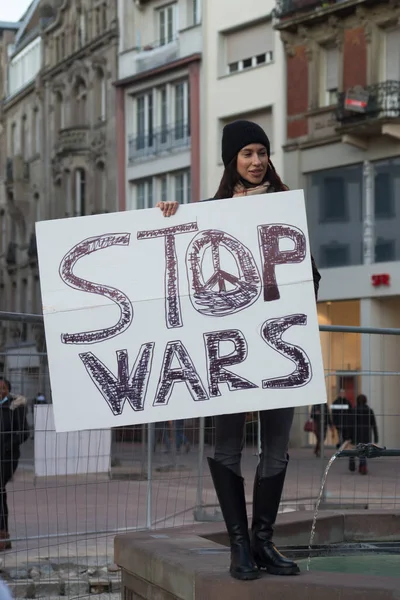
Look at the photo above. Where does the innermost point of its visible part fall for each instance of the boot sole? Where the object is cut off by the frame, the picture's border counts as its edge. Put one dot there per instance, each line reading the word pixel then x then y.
pixel 245 576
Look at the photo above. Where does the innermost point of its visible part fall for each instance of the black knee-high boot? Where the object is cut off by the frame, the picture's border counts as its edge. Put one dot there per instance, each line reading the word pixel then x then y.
pixel 266 499
pixel 230 492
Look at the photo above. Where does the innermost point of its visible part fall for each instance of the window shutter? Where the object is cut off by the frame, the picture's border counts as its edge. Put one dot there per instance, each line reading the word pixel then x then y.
pixel 332 70
pixel 248 42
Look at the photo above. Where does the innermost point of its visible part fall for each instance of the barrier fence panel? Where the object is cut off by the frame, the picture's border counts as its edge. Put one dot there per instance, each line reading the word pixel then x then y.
pixel 72 492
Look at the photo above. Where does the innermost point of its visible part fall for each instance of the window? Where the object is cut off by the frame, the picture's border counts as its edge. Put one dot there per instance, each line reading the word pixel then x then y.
pixel 164 188
pixel 384 200
pixel 104 16
pixel 68 194
pixel 385 250
pixel 144 194
pixel 333 202
pixel 144 121
pixel 36 129
pixel 196 11
pixel 167 24
pixel 58 112
pixel 392 55
pixel 14 139
pixel 335 255
pixel 181 110
pixel 81 30
pixel 62 46
pixel 26 138
pixel 100 95
pixel 182 191
pixel 163 114
pixel 329 76
pixel 80 102
pixel 80 192
pixel 96 21
pixel 249 47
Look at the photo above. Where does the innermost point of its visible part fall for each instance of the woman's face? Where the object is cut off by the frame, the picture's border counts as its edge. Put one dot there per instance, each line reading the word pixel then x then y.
pixel 252 162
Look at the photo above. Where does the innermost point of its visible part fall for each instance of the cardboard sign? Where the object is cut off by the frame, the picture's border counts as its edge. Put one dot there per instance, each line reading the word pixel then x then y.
pixel 209 312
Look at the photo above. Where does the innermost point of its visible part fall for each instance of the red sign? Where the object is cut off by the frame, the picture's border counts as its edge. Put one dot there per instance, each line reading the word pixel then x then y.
pixel 378 280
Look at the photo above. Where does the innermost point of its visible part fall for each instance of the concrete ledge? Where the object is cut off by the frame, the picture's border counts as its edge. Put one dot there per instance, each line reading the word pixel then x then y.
pixel 191 563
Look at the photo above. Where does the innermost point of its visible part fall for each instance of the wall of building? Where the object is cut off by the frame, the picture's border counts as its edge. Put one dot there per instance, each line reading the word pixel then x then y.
pixel 245 94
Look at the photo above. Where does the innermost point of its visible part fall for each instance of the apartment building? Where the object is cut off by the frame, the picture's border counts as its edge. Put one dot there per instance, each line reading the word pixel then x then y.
pixel 58 146
pixel 158 102
pixel 343 148
pixel 243 65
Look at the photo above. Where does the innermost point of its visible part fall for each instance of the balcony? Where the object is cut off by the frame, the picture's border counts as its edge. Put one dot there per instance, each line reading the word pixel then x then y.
pixel 159 141
pixel 73 139
pixel 293 12
pixel 157 54
pixel 369 111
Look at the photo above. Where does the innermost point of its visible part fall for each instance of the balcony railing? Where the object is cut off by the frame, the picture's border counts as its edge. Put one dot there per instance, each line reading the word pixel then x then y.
pixel 289 8
pixel 158 141
pixel 380 101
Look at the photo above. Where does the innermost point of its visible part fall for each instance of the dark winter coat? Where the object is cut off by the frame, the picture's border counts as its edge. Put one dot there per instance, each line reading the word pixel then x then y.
pixel 13 426
pixel 315 272
pixel 361 424
pixel 340 408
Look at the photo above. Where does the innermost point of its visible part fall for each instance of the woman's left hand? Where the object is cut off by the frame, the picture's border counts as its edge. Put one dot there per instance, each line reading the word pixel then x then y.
pixel 168 208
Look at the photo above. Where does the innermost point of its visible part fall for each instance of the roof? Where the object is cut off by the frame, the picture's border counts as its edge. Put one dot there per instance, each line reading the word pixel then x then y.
pixel 10 24
pixel 26 18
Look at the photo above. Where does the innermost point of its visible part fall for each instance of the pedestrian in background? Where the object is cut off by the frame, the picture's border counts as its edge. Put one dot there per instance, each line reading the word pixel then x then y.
pixel 181 440
pixel 321 427
pixel 340 411
pixel 362 423
pixel 249 171
pixel 14 431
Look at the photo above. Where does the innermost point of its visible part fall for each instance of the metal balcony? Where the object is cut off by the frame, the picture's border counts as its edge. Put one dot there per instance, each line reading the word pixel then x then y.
pixel 292 8
pixel 159 141
pixel 378 102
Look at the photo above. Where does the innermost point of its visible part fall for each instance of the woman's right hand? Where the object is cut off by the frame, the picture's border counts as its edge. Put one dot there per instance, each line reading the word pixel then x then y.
pixel 168 208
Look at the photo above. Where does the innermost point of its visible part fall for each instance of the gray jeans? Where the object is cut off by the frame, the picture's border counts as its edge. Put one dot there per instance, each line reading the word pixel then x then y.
pixel 275 431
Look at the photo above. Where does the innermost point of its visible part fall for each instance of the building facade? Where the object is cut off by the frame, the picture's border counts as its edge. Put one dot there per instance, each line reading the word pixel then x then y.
pixel 343 148
pixel 58 139
pixel 158 102
pixel 244 78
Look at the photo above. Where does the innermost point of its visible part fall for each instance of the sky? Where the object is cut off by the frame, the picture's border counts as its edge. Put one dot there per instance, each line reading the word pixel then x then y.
pixel 12 10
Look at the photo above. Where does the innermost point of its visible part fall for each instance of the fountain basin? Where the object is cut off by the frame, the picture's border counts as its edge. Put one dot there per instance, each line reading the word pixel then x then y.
pixel 191 563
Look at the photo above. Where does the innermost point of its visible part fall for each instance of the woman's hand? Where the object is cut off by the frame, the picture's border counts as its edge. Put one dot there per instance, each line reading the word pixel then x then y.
pixel 168 208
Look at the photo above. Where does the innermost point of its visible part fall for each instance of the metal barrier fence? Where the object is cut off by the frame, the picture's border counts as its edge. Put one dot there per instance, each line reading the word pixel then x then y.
pixel 72 492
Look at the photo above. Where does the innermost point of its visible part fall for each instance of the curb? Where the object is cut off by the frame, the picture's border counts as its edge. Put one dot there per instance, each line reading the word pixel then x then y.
pixel 59 587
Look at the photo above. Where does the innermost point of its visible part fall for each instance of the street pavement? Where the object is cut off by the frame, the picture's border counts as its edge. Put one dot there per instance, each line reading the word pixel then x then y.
pixel 78 516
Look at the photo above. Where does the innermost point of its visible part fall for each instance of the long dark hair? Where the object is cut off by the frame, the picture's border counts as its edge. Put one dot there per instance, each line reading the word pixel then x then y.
pixel 231 178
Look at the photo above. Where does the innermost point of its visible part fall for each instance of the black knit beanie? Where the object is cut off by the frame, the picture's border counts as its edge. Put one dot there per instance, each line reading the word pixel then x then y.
pixel 239 134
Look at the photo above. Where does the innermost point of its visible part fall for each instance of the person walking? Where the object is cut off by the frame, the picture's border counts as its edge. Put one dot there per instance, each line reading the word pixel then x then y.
pixel 14 431
pixel 362 424
pixel 249 171
pixel 320 430
pixel 340 411
pixel 181 440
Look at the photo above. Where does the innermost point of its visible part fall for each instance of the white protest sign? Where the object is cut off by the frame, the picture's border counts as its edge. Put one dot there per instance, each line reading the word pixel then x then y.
pixel 209 312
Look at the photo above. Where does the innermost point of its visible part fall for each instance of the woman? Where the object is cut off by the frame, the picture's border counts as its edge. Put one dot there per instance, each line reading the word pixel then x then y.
pixel 249 171
pixel 13 432
pixel 316 414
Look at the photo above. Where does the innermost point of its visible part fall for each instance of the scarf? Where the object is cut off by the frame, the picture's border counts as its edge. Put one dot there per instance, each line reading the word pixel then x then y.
pixel 241 190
